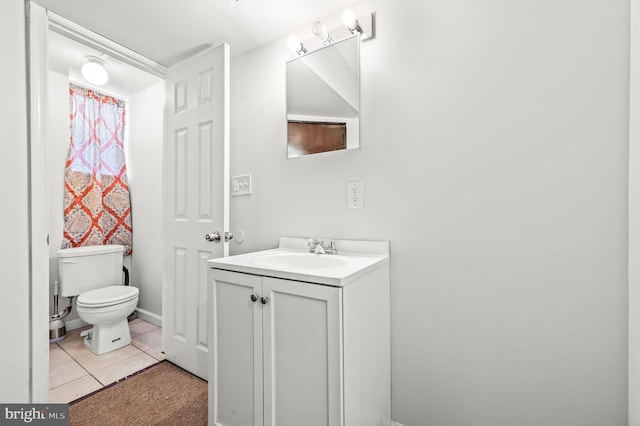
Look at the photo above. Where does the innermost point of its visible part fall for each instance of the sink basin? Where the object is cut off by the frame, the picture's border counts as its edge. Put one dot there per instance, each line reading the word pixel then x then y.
pixel 299 261
pixel 292 261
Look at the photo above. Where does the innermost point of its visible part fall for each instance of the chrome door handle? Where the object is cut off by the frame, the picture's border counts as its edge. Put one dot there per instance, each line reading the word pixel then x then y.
pixel 228 236
pixel 213 237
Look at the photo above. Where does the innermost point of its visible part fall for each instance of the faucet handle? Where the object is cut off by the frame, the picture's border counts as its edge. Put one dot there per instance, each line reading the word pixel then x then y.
pixel 322 247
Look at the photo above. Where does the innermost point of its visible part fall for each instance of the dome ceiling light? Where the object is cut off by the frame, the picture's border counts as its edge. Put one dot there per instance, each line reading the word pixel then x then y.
pixel 94 71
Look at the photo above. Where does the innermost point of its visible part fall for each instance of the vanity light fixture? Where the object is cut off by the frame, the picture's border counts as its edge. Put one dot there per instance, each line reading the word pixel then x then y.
pixel 364 26
pixel 350 21
pixel 296 45
pixel 94 71
pixel 320 31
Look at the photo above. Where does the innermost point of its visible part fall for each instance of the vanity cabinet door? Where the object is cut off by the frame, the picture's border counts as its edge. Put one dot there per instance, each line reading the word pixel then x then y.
pixel 302 346
pixel 235 352
pixel 275 357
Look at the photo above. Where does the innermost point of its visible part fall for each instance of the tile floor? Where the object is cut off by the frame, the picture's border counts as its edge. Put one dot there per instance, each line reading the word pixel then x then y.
pixel 75 371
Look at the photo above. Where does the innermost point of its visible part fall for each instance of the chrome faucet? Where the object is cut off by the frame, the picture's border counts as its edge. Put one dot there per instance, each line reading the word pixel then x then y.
pixel 322 247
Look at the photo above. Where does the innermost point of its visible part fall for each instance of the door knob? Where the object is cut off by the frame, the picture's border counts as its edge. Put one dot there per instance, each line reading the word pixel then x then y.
pixel 264 300
pixel 228 236
pixel 213 237
pixel 254 297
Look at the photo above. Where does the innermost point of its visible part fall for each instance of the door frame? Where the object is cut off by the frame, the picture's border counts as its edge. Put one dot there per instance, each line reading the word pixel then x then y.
pixel 38 209
pixel 40 21
pixel 634 219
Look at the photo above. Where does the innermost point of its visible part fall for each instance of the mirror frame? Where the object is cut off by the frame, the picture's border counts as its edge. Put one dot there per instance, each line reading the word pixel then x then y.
pixel 324 134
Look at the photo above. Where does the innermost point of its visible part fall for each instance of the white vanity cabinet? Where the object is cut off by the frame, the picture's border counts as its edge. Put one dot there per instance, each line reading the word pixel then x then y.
pixel 293 353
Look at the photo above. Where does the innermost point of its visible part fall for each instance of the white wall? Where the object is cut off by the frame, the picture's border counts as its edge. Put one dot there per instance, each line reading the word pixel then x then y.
pixel 57 149
pixel 14 216
pixel 494 158
pixel 144 158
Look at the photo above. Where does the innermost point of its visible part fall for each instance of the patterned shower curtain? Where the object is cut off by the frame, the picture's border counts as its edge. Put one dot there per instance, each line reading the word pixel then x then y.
pixel 97 206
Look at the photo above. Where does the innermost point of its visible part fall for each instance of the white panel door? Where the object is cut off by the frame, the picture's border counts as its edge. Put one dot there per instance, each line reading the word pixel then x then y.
pixel 195 199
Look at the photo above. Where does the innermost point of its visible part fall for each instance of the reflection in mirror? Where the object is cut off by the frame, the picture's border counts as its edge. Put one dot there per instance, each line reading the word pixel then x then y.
pixel 323 99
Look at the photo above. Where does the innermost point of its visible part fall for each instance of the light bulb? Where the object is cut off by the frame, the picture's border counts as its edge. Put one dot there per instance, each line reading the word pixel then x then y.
pixel 295 45
pixel 94 71
pixel 350 21
pixel 320 31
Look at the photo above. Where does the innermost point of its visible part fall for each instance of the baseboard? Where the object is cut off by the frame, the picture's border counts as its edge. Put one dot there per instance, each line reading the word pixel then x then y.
pixel 74 323
pixel 142 314
pixel 395 423
pixel 150 317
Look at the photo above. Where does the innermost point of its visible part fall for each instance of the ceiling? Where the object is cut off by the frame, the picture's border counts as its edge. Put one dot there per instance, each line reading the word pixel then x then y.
pixel 67 56
pixel 168 31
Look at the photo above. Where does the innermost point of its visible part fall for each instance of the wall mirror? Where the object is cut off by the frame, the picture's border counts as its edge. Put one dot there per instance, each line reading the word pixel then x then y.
pixel 323 99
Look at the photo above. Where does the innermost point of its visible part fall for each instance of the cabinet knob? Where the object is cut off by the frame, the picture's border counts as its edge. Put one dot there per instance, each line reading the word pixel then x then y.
pixel 264 300
pixel 254 297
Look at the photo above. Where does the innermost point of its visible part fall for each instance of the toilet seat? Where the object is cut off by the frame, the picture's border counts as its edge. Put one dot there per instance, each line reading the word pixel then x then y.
pixel 107 296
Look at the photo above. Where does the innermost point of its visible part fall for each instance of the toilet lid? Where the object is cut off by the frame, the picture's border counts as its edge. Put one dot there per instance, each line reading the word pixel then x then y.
pixel 107 296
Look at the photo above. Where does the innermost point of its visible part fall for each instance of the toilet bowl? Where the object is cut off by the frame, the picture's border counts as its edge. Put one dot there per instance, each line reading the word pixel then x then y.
pixel 107 310
pixel 95 275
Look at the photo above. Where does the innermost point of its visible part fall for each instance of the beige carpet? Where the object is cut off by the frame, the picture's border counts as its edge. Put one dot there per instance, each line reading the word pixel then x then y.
pixel 163 394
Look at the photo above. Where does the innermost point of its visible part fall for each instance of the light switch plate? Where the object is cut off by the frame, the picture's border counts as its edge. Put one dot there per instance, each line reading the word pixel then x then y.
pixel 241 185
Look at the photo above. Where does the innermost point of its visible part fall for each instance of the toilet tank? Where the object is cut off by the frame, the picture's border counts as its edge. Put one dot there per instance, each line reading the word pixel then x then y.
pixel 88 268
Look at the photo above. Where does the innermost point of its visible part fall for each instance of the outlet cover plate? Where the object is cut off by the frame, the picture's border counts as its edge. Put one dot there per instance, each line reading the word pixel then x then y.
pixel 355 195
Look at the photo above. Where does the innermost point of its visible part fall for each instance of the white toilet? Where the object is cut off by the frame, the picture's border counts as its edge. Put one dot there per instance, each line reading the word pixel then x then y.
pixel 94 274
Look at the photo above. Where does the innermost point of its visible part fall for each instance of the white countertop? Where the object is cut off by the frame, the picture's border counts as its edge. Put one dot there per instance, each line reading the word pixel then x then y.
pixel 354 259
